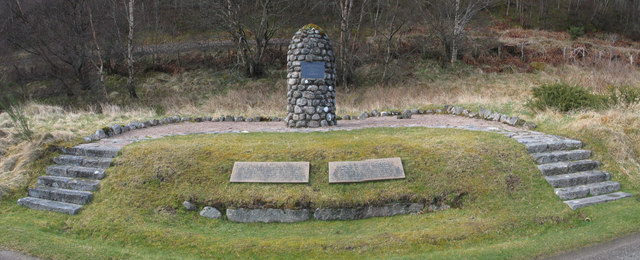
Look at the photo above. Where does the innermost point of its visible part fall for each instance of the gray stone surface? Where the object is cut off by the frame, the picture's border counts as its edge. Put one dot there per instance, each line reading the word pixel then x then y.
pixel 75 172
pixel 94 151
pixel 567 167
pixel 62 195
pixel 406 114
pixel 367 170
pixel 362 116
pixel 116 129
pixel 367 212
pixel 270 172
pixel 189 206
pixel 210 212
pixel 267 215
pixel 582 191
pixel 75 160
pixel 55 206
pixel 68 183
pixel 101 134
pixel 559 156
pixel 580 203
pixel 9 255
pixel 579 178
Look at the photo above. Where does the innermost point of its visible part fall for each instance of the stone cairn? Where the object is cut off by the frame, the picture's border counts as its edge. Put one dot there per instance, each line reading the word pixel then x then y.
pixel 312 95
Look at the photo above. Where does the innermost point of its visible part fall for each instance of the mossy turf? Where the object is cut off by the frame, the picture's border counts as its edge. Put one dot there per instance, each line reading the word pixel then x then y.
pixel 197 168
pixel 509 211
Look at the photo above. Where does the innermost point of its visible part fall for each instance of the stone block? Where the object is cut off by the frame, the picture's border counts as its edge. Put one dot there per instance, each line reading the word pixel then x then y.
pixel 267 215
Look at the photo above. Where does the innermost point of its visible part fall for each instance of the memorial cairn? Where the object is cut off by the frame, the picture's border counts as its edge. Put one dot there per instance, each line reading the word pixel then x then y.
pixel 311 79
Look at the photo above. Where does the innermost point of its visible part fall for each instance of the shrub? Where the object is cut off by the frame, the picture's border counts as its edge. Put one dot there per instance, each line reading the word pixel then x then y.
pixel 16 113
pixel 575 32
pixel 538 66
pixel 624 95
pixel 565 97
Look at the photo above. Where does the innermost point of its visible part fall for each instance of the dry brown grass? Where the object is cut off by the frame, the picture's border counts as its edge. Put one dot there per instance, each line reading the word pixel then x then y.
pixel 618 129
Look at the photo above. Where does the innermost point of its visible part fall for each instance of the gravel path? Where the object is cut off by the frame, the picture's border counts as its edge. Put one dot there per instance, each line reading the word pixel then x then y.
pixel 10 255
pixel 186 128
pixel 622 248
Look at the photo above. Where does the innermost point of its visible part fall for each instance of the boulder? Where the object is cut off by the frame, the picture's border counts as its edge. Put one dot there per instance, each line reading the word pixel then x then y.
pixel 189 206
pixel 210 212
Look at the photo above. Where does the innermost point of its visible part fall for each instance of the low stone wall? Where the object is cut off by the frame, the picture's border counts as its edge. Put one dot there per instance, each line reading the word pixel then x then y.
pixel 273 215
pixel 485 114
pixel 367 212
pixel 268 215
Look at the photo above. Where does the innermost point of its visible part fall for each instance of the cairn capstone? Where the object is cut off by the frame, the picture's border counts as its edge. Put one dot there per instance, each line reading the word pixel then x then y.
pixel 311 79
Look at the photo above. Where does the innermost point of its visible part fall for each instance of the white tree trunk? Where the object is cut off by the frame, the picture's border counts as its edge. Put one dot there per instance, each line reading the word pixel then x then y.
pixel 132 90
pixel 456 29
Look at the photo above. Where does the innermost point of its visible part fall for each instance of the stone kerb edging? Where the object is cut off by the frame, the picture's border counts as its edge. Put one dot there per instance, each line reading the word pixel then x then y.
pixel 484 114
pixel 271 215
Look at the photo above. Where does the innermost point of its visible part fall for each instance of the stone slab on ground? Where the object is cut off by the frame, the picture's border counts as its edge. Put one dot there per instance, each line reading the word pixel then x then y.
pixel 270 172
pixel 50 205
pixel 267 215
pixel 367 170
pixel 588 201
pixel 367 212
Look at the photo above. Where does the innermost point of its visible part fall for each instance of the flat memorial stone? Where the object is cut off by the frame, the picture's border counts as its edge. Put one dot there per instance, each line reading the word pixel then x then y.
pixel 367 170
pixel 270 172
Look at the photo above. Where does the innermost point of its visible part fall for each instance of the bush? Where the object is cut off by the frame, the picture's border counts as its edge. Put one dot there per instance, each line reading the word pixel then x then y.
pixel 624 95
pixel 17 116
pixel 565 97
pixel 575 32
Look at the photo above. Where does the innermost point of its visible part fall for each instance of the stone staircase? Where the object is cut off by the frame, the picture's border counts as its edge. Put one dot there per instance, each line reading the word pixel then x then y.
pixel 69 183
pixel 575 178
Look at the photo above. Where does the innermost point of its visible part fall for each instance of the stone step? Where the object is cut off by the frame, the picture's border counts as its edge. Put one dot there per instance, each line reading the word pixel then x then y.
pixel 68 183
pixel 580 203
pixel 75 160
pixel 541 146
pixel 581 191
pixel 75 172
pixel 92 151
pixel 61 195
pixel 55 206
pixel 560 156
pixel 578 178
pixel 567 167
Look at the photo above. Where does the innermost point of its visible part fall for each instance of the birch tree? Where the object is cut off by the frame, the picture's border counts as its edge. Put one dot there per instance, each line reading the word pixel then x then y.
pixel 449 18
pixel 251 24
pixel 394 18
pixel 132 87
pixel 349 38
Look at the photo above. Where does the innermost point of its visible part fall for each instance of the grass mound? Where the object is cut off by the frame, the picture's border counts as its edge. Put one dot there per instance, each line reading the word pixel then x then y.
pixel 509 210
pixel 197 168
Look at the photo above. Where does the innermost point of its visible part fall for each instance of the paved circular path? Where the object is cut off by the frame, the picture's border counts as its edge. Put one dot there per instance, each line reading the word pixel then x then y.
pixel 186 128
